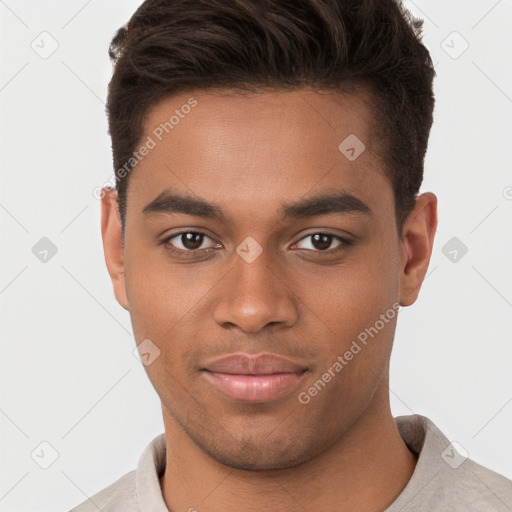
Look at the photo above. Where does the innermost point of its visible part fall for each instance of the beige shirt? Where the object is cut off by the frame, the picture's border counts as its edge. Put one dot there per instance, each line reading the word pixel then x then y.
pixel 443 480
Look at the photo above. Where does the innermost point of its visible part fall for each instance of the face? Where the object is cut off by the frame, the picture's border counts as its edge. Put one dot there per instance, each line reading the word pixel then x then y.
pixel 280 243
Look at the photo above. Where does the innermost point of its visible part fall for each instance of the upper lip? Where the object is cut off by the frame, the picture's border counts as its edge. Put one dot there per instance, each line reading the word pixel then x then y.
pixel 247 364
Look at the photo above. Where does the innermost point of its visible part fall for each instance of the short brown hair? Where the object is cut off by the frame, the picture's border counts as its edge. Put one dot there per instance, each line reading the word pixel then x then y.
pixel 170 46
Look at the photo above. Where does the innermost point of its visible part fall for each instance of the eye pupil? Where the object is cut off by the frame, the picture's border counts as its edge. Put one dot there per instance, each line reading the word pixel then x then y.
pixel 321 241
pixel 192 241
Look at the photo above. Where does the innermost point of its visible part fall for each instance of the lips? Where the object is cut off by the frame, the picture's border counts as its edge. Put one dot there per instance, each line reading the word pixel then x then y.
pixel 245 364
pixel 250 378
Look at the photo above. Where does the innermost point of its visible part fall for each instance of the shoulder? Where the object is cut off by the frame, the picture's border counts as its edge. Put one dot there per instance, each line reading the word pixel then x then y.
pixel 477 487
pixel 120 495
pixel 138 489
pixel 445 478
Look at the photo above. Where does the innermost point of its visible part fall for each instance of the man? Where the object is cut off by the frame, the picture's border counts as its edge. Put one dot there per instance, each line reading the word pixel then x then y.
pixel 265 231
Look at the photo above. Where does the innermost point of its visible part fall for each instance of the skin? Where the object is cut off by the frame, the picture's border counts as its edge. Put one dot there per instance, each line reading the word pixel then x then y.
pixel 250 154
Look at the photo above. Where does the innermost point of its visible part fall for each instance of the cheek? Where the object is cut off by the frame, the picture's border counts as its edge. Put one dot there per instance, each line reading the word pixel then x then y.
pixel 354 309
pixel 355 317
pixel 166 308
pixel 166 301
pixel 357 292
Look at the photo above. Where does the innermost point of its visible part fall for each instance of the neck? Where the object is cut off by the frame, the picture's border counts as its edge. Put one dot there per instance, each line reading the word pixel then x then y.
pixel 364 470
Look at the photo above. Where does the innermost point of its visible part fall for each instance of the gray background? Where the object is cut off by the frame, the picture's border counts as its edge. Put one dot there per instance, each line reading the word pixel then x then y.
pixel 68 374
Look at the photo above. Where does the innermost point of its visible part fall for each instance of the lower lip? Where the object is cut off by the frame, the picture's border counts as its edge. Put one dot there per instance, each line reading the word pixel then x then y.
pixel 253 388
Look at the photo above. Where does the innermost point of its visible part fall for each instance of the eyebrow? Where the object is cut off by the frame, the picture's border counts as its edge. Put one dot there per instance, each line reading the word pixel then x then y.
pixel 323 204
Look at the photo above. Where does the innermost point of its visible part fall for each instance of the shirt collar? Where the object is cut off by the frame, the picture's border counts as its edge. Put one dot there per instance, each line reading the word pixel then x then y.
pixel 147 480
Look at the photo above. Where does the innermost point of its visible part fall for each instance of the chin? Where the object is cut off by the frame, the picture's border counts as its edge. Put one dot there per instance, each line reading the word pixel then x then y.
pixel 267 455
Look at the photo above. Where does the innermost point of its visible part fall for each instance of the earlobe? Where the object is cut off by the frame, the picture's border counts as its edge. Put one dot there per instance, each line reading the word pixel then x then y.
pixel 417 243
pixel 111 233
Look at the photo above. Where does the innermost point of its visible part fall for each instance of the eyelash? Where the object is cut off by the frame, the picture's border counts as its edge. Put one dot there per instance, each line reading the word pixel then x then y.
pixel 344 243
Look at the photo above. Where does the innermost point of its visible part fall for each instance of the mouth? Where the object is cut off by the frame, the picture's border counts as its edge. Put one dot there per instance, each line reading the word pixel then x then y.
pixel 249 378
pixel 253 387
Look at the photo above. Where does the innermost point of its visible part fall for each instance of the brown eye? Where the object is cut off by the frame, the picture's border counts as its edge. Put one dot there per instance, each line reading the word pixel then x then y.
pixel 322 242
pixel 191 241
pixel 188 243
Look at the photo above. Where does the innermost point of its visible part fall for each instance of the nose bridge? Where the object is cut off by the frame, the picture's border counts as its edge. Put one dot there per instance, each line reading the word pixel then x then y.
pixel 255 293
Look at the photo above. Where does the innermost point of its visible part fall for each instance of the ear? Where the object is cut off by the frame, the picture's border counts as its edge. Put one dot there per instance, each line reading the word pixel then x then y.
pixel 417 242
pixel 111 233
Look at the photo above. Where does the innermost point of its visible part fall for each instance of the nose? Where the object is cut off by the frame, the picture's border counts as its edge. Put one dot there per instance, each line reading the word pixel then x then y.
pixel 254 295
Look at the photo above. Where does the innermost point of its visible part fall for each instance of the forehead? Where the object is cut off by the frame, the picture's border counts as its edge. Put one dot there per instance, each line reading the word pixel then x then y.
pixel 267 148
